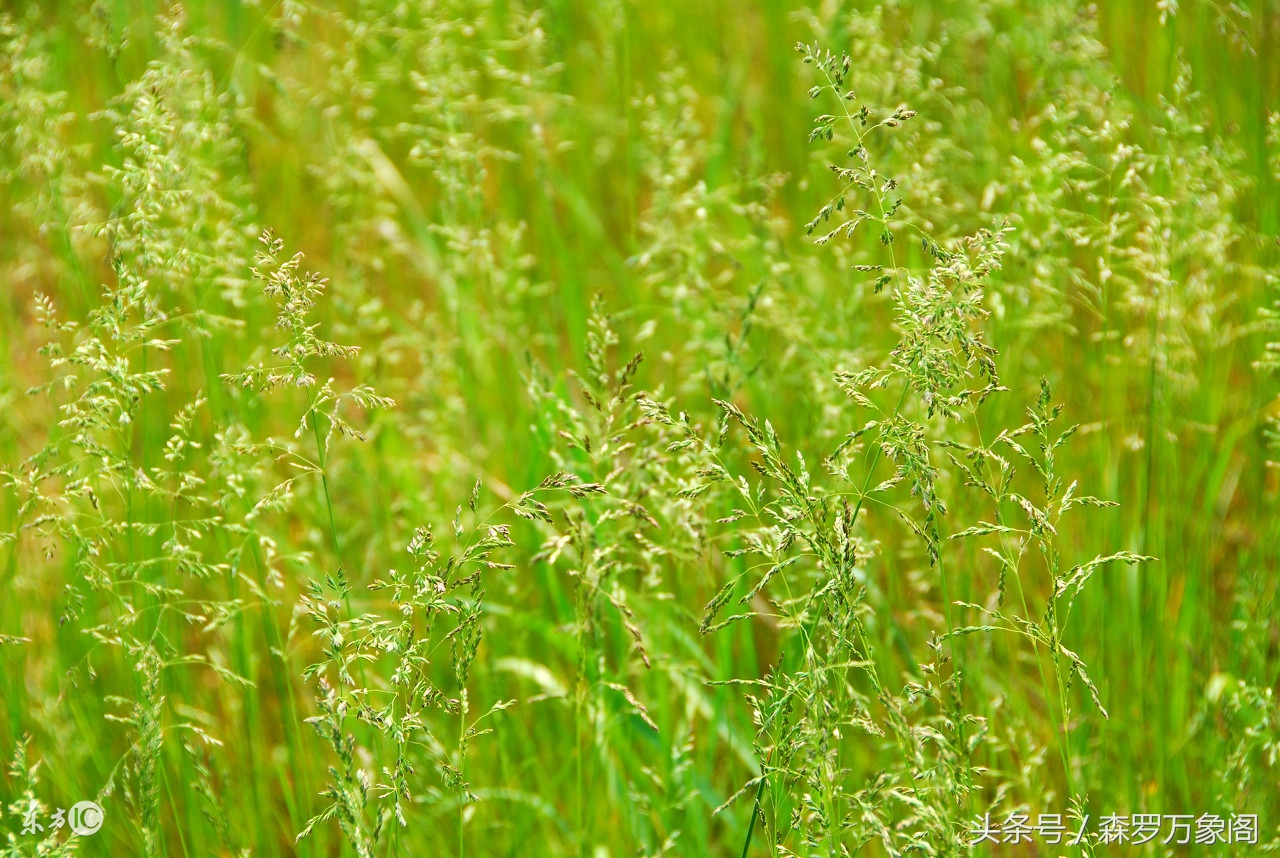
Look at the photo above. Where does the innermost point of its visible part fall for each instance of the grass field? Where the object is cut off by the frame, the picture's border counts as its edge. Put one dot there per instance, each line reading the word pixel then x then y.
pixel 615 428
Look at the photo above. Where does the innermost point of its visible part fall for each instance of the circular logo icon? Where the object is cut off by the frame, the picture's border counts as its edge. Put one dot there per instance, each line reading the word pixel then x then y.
pixel 85 818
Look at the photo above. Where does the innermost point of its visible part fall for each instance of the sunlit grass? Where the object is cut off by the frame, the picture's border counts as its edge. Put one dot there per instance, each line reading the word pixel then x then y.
pixel 684 446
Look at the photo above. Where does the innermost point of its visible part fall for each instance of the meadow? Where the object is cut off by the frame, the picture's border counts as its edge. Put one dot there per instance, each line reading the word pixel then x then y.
pixel 613 428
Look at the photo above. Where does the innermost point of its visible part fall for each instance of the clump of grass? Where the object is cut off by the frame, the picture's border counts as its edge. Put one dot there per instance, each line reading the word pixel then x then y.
pixel 803 705
pixel 986 469
pixel 437 606
pixel 88 489
pixel 295 293
pixel 40 176
pixel 26 806
pixel 713 256
pixel 607 541
pixel 822 465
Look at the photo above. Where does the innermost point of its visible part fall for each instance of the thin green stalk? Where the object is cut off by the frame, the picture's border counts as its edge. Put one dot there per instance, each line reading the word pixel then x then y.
pixel 1059 728
pixel 323 455
pixel 755 810
pixel 462 774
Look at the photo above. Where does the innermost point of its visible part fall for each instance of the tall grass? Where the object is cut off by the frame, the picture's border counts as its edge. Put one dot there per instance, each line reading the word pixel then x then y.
pixel 636 477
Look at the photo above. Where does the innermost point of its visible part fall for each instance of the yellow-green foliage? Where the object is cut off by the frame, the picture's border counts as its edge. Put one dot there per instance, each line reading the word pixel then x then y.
pixel 487 427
